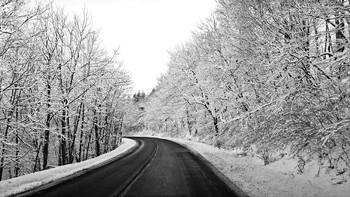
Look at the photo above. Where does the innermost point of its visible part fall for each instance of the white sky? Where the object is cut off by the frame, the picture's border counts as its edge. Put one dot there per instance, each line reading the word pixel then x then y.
pixel 145 30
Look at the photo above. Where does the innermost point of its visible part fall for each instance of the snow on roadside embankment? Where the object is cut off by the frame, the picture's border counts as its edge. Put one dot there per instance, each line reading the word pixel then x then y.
pixel 29 181
pixel 276 179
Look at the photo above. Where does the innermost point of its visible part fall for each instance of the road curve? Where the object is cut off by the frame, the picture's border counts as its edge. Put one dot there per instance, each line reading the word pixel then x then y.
pixel 156 168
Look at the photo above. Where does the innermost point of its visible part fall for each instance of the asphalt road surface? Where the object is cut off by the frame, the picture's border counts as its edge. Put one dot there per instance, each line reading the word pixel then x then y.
pixel 156 168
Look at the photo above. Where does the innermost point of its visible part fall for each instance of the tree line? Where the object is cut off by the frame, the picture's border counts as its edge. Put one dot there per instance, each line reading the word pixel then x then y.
pixel 62 96
pixel 269 73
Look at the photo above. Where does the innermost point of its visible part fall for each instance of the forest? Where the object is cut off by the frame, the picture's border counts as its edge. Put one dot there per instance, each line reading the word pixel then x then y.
pixel 273 75
pixel 62 96
pixel 269 74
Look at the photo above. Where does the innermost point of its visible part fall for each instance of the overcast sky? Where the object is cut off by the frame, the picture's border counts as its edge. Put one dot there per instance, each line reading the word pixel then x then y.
pixel 145 30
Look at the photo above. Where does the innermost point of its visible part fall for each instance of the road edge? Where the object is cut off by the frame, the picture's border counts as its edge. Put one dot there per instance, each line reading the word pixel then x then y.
pixel 52 183
pixel 216 171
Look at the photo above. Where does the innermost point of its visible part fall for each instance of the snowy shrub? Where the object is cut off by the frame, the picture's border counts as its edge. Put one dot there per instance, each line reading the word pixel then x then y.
pixel 265 156
pixel 218 143
pixel 301 165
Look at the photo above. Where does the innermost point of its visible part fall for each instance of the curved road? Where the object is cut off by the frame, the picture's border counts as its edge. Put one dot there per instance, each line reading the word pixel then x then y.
pixel 156 168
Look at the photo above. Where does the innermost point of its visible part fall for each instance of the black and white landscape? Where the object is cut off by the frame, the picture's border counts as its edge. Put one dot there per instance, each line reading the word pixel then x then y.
pixel 175 98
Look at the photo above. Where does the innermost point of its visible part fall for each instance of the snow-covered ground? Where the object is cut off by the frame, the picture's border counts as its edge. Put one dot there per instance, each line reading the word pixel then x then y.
pixel 29 181
pixel 249 173
pixel 276 179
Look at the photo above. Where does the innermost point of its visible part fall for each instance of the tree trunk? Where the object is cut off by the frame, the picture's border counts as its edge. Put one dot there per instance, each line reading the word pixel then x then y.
pixel 75 130
pixel 216 126
pixel 63 147
pixel 215 119
pixel 88 143
pixel 107 134
pixel 69 135
pixel 5 136
pixel 188 122
pixel 17 148
pixel 97 142
pixel 81 132
pixel 47 124
pixel 36 166
pixel 3 151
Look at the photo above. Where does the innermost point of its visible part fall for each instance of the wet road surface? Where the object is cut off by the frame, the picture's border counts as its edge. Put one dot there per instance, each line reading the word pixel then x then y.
pixel 156 168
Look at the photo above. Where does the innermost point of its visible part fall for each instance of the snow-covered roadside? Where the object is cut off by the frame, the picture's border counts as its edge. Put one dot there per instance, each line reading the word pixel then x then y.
pixel 276 179
pixel 29 181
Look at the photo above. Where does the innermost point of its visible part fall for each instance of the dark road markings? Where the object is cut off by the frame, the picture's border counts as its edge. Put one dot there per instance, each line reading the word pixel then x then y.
pixel 137 175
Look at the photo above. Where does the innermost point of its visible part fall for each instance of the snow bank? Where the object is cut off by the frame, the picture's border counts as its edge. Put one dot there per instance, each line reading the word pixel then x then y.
pixel 276 179
pixel 29 181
